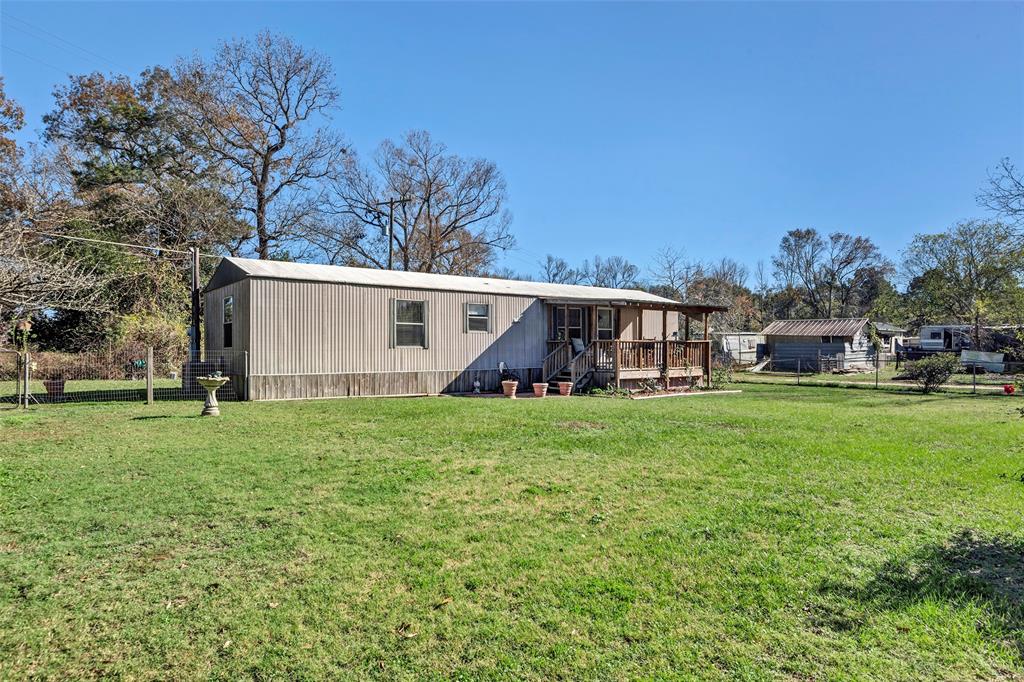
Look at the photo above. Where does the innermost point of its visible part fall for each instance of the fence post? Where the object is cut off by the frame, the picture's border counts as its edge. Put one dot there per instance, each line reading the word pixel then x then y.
pixel 798 371
pixel 974 378
pixel 28 377
pixel 149 375
pixel 876 368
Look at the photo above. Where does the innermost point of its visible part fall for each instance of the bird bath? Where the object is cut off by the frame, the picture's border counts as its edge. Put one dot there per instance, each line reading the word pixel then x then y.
pixel 211 384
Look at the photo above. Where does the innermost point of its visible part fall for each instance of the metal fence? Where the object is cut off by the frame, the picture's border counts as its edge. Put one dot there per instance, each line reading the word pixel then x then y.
pixel 121 375
pixel 885 371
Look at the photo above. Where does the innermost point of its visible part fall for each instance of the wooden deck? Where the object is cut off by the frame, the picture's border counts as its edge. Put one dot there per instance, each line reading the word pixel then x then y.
pixel 619 361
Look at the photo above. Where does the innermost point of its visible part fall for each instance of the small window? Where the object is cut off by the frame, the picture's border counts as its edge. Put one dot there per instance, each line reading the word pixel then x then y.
pixel 478 317
pixel 935 335
pixel 605 324
pixel 410 324
pixel 228 320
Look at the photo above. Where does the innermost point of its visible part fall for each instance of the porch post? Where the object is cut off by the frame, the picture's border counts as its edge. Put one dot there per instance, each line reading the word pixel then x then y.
pixel 618 363
pixel 686 330
pixel 664 346
pixel 707 354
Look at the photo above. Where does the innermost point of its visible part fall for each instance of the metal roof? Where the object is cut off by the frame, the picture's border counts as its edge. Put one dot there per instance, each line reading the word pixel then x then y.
pixel 833 327
pixel 887 328
pixel 233 269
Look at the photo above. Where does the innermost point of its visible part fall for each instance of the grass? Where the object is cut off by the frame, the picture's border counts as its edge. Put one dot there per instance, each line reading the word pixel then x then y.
pixel 803 533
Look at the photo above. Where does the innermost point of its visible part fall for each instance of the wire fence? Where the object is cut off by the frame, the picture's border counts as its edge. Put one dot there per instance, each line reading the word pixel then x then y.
pixel 131 375
pixel 886 371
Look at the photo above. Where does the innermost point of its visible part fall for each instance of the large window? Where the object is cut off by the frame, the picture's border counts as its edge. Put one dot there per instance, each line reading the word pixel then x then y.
pixel 409 326
pixel 605 324
pixel 478 317
pixel 568 323
pixel 228 318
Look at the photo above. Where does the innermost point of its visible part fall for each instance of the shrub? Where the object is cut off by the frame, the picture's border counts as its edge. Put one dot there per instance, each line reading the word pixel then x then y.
pixel 932 371
pixel 721 377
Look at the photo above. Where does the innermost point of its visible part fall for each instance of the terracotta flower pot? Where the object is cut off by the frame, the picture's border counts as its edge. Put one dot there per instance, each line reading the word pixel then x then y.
pixel 510 387
pixel 540 390
pixel 54 388
pixel 565 387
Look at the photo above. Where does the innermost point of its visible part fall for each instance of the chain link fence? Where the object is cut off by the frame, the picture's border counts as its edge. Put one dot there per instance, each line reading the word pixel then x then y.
pixel 122 375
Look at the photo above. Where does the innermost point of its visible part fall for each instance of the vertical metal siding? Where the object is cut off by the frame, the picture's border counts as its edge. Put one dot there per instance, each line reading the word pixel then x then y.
pixel 213 316
pixel 326 328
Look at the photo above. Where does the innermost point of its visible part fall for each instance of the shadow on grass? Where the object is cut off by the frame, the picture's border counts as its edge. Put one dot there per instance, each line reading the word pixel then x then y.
pixel 147 417
pixel 968 569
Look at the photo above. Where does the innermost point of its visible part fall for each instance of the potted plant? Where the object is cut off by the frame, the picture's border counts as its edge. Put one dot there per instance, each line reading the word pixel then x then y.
pixel 509 380
pixel 565 388
pixel 540 389
pixel 54 385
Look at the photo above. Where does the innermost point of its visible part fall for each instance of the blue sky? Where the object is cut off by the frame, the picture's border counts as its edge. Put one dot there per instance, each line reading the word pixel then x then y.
pixel 622 128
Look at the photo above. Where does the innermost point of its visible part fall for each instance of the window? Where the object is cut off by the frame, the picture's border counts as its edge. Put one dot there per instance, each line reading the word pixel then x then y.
pixel 409 324
pixel 478 317
pixel 228 318
pixel 832 339
pixel 935 335
pixel 605 324
pixel 571 328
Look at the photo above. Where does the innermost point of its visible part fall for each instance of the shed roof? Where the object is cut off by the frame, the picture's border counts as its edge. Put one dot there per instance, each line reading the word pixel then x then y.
pixel 234 269
pixel 886 328
pixel 832 327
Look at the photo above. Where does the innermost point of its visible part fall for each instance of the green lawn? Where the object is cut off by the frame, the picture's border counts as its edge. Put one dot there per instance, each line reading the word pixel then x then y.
pixel 801 533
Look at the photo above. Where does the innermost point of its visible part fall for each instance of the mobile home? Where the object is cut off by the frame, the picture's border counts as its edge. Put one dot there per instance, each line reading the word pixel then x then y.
pixel 318 331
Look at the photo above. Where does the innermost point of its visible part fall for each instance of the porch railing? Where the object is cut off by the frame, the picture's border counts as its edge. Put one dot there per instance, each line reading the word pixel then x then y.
pixel 618 356
pixel 559 355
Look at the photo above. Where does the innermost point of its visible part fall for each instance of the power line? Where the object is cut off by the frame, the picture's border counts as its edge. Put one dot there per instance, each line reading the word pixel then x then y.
pixel 113 243
pixel 36 60
pixel 39 29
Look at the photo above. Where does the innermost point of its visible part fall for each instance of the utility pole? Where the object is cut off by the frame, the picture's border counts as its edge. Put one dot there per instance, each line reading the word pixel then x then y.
pixel 194 253
pixel 391 227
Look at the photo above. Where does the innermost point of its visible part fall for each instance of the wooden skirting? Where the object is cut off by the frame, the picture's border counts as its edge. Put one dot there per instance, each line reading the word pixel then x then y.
pixel 307 386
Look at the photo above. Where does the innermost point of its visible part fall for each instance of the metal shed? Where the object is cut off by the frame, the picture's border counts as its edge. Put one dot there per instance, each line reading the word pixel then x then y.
pixel 819 344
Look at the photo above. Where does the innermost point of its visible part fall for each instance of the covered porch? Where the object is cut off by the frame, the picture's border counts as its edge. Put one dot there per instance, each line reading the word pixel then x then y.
pixel 624 344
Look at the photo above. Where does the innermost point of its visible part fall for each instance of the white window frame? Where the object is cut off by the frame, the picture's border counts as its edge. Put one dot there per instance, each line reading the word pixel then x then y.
pixel 599 328
pixel 393 326
pixel 466 316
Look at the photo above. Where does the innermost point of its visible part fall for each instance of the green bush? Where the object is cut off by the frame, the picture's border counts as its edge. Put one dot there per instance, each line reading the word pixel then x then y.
pixel 932 371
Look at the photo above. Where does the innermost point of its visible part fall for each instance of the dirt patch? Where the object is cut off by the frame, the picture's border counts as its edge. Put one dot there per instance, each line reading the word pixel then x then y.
pixel 582 426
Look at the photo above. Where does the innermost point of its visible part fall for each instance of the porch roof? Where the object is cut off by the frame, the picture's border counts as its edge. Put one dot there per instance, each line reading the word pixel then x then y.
pixel 662 304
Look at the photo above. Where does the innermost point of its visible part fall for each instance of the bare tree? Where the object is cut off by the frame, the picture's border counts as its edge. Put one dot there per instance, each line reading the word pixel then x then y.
pixel 254 108
pixel 36 272
pixel 673 274
pixel 454 220
pixel 827 272
pixel 1005 192
pixel 615 272
pixel 557 271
